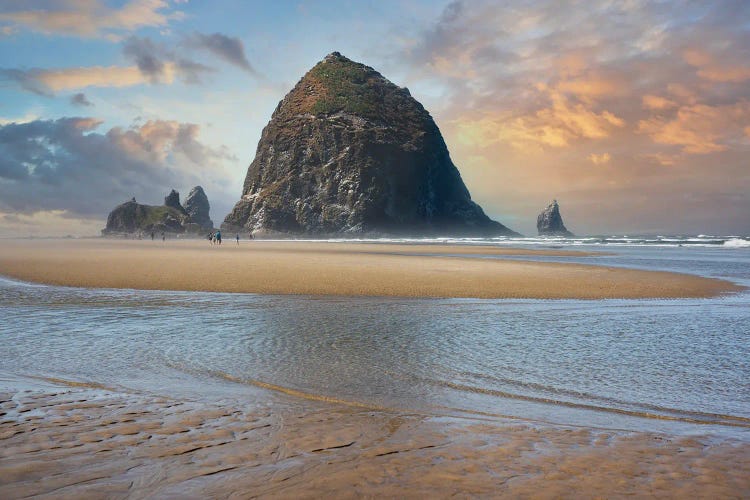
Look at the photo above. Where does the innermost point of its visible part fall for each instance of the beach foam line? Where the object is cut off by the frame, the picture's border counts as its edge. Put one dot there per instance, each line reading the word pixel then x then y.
pixel 298 393
pixel 74 383
pixel 685 416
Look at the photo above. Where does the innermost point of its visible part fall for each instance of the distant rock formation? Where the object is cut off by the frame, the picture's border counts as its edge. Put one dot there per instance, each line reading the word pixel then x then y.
pixel 550 223
pixel 132 217
pixel 173 200
pixel 347 152
pixel 197 208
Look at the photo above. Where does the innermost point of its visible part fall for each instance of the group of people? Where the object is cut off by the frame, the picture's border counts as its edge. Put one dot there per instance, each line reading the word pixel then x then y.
pixel 215 237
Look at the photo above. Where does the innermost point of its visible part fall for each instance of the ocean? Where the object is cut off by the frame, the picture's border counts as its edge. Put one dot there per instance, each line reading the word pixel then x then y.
pixel 680 366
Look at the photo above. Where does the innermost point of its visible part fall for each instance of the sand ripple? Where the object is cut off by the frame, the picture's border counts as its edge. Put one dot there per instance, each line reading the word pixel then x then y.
pixel 74 442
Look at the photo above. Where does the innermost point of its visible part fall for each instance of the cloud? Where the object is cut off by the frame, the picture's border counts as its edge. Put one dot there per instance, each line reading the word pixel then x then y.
pixel 655 102
pixel 66 165
pixel 523 91
pixel 717 68
pixel 49 81
pixel 699 129
pixel 230 49
pixel 149 69
pixel 145 55
pixel 80 99
pixel 559 124
pixel 47 223
pixel 599 159
pixel 157 63
pixel 154 63
pixel 87 18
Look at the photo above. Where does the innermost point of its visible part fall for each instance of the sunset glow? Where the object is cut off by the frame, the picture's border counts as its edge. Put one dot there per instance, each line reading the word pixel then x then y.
pixel 634 115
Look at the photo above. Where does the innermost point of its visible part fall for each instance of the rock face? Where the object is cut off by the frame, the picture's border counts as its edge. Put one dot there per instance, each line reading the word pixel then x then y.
pixel 173 200
pixel 132 217
pixel 348 153
pixel 197 208
pixel 550 223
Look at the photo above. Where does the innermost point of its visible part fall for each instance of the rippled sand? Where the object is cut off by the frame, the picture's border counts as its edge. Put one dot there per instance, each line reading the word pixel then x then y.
pixel 343 269
pixel 83 442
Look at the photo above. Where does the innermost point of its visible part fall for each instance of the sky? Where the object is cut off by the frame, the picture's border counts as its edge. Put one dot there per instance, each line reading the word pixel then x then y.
pixel 634 115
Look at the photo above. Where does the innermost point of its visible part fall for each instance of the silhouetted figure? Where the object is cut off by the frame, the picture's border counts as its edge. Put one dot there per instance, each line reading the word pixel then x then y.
pixel 152 236
pixel 238 238
pixel 163 236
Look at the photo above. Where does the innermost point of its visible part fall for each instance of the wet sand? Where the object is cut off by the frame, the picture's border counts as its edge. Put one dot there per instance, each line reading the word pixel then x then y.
pixel 343 269
pixel 84 442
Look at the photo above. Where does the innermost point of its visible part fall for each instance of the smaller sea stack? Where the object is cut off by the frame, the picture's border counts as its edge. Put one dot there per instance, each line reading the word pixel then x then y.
pixel 135 218
pixel 550 223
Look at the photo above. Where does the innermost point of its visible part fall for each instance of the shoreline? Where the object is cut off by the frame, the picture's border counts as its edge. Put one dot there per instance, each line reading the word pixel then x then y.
pixel 339 269
pixel 71 440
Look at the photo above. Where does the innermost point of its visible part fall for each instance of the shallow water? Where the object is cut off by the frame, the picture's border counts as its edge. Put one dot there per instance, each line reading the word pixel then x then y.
pixel 671 365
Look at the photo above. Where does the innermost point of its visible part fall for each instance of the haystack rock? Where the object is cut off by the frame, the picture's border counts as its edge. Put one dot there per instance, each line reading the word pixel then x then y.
pixel 347 152
pixel 550 223
pixel 197 208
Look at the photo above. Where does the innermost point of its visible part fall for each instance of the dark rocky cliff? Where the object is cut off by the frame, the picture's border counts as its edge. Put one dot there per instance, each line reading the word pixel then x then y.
pixel 550 223
pixel 347 153
pixel 172 200
pixel 198 208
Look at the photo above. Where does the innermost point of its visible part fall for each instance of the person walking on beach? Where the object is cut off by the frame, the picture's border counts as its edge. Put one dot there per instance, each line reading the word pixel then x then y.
pixel 238 239
pixel 152 236
pixel 218 237
pixel 163 236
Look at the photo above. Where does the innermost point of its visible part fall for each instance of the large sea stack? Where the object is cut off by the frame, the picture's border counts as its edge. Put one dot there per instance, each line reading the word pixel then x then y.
pixel 550 223
pixel 347 152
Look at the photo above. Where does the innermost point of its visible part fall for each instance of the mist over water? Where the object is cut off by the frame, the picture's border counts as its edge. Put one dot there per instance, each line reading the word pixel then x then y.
pixel 673 365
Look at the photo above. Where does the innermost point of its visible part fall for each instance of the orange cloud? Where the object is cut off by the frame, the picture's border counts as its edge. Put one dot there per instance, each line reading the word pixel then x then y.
pixel 592 87
pixel 657 103
pixel 662 159
pixel 698 129
pixel 599 159
pixel 556 126
pixel 159 141
pixel 97 76
pixel 452 68
pixel 713 70
pixel 92 18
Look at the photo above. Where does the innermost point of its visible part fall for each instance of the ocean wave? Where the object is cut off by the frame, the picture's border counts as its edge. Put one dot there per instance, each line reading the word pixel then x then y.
pixel 737 243
pixel 700 240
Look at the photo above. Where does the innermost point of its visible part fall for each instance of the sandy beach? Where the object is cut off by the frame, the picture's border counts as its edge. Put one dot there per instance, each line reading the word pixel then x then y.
pixel 74 439
pixel 342 269
pixel 72 442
